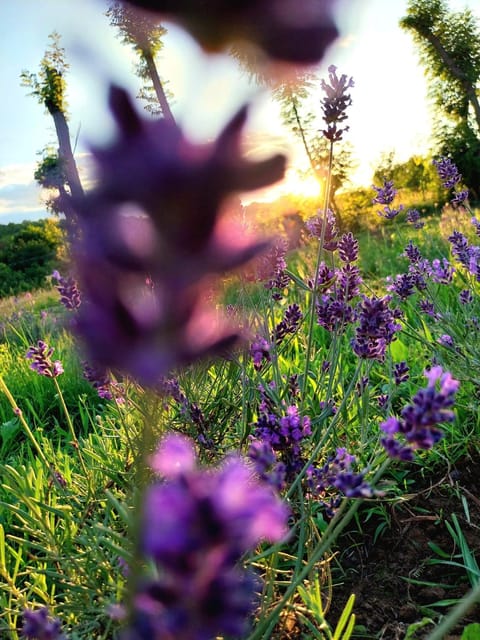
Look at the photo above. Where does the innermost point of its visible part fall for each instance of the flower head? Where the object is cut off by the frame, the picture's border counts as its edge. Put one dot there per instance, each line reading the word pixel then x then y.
pixel 37 625
pixel 418 426
pixel 152 231
pixel 335 103
pixel 196 525
pixel 292 30
pixel 41 357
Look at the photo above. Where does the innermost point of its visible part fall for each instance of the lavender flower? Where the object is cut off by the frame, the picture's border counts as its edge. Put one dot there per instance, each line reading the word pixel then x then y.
pixel 265 463
pixel 400 372
pixel 348 248
pixel 285 435
pixel 336 103
pixel 412 252
pixel 68 290
pixel 101 380
pixel 289 325
pixel 144 252
pixel 37 625
pixel 386 195
pixel 413 217
pixel 376 329
pixel 418 426
pixel 271 266
pixel 335 476
pixel 196 525
pixel 42 361
pixel 260 352
pixel 446 341
pixel 442 271
pixel 321 226
pixel 447 172
pixel 298 32
pixel 465 296
pixel 476 224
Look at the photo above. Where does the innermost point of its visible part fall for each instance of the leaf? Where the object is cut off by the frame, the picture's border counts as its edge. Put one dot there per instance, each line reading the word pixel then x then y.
pixel 471 632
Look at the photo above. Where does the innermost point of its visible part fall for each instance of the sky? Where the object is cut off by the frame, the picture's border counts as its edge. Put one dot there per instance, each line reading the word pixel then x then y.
pixel 390 110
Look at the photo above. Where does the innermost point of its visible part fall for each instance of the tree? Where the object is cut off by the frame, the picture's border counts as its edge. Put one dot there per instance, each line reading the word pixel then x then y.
pixel 449 47
pixel 49 87
pixel 139 30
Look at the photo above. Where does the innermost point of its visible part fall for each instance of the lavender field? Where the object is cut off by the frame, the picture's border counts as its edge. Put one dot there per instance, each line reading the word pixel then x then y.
pixel 225 420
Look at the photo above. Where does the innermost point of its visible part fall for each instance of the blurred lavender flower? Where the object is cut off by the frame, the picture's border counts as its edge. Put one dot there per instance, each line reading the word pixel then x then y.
pixel 400 372
pixel 442 271
pixel 336 103
pixel 465 296
pixel 446 340
pixel 265 463
pixel 37 625
pixel 382 400
pixel 428 308
pixel 196 526
pixel 403 285
pixel 377 326
pixel 68 290
pixel 271 266
pixel 41 357
pixel 296 31
pixel 316 224
pixel 336 475
pixel 476 224
pixel 260 352
pixel 101 380
pixel 413 217
pixel 151 231
pixel 418 425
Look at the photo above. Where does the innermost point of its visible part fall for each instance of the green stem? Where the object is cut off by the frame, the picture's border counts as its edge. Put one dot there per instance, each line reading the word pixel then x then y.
pixel 456 614
pixel 308 353
pixel 72 430
pixel 18 412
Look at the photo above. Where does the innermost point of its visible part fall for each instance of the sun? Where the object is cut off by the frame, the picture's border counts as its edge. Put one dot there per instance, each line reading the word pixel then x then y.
pixel 300 183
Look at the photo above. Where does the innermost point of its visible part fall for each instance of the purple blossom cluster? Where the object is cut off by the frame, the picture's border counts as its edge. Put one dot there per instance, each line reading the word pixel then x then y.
pixel 340 286
pixel 335 103
pixel 401 372
pixel 284 433
pixel 271 269
pixel 41 357
pixel 106 386
pixel 289 325
pixel 451 179
pixel 335 479
pixel 376 329
pixel 413 217
pixel 324 228
pixel 386 195
pixel 196 526
pixel 38 625
pixel 68 290
pixel 260 351
pixel 468 255
pixel 417 428
pixel 151 232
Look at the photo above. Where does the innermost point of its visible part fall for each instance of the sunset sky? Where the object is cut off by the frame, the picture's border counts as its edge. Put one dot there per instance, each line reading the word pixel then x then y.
pixel 389 111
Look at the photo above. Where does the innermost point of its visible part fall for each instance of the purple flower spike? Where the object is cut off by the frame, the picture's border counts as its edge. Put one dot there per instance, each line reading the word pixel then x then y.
pixel 68 290
pixel 377 326
pixel 151 232
pixel 296 31
pixel 315 227
pixel 37 625
pixel 42 361
pixel 335 103
pixel 418 426
pixel 447 172
pixel 196 526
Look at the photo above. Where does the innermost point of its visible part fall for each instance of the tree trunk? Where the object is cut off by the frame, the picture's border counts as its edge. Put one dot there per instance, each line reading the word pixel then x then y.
pixel 158 86
pixel 66 154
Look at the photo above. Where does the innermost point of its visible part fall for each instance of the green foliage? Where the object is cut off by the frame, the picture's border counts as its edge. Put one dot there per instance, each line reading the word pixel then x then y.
pixel 28 253
pixel 49 85
pixel 449 48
